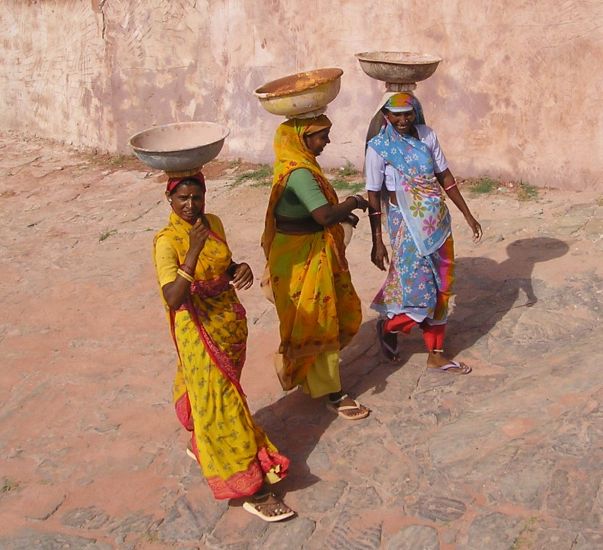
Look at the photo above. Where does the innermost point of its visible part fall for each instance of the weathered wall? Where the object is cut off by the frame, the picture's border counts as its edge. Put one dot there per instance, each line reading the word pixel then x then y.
pixel 518 94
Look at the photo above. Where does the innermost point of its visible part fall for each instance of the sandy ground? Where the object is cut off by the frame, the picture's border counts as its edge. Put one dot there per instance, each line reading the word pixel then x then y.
pixel 91 454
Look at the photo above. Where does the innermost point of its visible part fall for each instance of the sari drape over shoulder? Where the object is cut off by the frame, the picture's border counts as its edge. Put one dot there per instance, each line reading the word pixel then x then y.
pixel 210 335
pixel 318 308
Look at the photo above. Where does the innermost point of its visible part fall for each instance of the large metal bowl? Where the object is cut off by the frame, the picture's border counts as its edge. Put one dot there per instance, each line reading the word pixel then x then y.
pixel 180 146
pixel 398 67
pixel 306 93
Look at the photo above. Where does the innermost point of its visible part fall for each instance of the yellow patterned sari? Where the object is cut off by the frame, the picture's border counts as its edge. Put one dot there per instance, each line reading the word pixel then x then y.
pixel 318 309
pixel 210 334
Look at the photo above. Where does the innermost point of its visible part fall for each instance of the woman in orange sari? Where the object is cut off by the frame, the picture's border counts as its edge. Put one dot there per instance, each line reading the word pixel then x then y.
pixel 198 279
pixel 318 309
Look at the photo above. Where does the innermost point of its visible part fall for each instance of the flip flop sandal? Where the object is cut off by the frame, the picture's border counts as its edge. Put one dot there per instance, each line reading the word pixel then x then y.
pixel 282 511
pixel 390 352
pixel 190 454
pixel 454 367
pixel 340 410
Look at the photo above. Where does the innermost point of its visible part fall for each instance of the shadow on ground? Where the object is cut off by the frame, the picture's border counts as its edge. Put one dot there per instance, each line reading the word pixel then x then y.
pixel 485 292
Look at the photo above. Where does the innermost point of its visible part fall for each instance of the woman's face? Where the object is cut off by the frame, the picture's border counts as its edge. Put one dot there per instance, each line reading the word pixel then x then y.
pixel 402 122
pixel 317 141
pixel 188 201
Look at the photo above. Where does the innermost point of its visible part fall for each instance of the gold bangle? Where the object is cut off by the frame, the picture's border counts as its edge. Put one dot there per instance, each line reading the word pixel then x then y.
pixel 187 269
pixel 185 275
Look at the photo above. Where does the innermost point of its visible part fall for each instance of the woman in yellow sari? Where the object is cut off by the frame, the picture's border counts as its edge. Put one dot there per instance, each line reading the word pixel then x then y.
pixel 198 279
pixel 318 309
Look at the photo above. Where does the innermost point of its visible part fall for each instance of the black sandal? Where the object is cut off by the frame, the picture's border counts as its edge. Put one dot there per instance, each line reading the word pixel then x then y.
pixel 389 348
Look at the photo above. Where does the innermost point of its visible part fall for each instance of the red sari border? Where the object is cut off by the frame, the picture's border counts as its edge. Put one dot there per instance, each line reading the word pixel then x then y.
pixel 249 482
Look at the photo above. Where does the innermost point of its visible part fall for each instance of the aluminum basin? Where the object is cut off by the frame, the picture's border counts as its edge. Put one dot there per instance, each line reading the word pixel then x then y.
pixel 398 67
pixel 180 146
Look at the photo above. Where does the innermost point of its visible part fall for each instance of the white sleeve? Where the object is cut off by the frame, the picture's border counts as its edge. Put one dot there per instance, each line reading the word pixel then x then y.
pixel 430 139
pixel 374 170
pixel 392 176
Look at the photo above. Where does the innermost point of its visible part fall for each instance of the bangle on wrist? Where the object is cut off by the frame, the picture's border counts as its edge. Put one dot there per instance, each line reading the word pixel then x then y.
pixel 185 275
pixel 187 269
pixel 375 214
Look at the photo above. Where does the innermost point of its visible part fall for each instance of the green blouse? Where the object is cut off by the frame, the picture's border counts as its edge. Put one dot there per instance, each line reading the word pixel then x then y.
pixel 301 196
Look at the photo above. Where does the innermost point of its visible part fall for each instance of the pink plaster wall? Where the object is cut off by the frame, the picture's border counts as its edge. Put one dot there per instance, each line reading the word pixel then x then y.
pixel 517 96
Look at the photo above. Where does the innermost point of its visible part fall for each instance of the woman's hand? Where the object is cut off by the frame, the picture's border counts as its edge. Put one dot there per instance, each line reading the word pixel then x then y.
pixel 197 237
pixel 361 201
pixel 476 228
pixel 243 277
pixel 379 255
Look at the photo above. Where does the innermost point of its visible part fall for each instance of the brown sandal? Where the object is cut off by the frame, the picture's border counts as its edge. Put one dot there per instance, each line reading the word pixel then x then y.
pixel 257 502
pixel 341 410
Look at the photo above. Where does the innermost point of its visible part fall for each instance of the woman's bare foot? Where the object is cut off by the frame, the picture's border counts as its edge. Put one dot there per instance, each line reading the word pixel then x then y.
pixel 437 360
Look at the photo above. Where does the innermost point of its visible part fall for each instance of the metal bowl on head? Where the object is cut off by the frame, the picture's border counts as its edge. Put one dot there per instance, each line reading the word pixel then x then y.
pixel 180 146
pixel 398 67
pixel 301 95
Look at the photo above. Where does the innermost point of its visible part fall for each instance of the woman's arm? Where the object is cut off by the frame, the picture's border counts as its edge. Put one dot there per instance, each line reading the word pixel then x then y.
pixel 448 182
pixel 308 192
pixel 374 174
pixel 378 252
pixel 176 292
pixel 330 214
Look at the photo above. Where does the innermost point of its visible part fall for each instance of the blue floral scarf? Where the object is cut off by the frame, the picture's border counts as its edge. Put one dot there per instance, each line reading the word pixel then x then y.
pixel 420 197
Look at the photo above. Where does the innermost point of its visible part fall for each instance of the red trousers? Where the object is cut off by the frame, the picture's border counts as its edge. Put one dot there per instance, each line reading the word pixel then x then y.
pixel 433 335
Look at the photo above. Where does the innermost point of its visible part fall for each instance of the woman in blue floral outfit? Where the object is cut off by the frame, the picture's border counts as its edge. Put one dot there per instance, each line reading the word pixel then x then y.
pixel 405 157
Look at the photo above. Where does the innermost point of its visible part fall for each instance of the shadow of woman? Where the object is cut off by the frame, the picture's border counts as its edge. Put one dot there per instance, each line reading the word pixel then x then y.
pixel 487 290
pixel 296 422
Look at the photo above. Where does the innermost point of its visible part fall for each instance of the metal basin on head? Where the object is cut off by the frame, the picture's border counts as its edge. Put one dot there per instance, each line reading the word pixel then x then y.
pixel 307 93
pixel 179 146
pixel 398 67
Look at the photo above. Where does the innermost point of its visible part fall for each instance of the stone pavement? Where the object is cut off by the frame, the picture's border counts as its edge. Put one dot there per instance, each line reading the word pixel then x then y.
pixel 92 457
